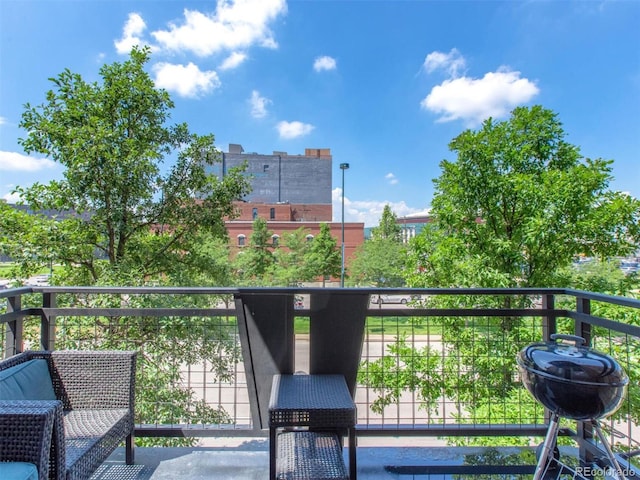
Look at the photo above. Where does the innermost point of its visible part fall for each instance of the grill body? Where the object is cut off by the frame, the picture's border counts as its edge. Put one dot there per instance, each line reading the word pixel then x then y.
pixel 572 381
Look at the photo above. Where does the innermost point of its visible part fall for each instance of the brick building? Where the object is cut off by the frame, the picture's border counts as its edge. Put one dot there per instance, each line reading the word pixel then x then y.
pixel 283 178
pixel 289 192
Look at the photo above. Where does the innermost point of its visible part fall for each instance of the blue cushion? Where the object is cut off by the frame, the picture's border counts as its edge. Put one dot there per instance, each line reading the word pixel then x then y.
pixel 18 471
pixel 27 381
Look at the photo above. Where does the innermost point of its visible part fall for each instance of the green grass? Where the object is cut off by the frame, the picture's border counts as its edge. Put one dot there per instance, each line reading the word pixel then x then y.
pixel 5 269
pixel 379 326
pixel 397 326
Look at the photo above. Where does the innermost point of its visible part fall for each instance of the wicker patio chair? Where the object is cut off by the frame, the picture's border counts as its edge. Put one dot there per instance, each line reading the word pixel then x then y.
pixel 96 389
pixel 25 434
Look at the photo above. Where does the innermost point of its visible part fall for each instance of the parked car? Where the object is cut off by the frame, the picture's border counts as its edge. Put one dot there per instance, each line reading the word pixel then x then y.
pixel 391 298
pixel 629 267
pixel 41 280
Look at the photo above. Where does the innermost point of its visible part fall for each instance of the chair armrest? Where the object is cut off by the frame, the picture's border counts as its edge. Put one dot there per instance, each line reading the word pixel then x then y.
pixel 94 379
pixel 26 428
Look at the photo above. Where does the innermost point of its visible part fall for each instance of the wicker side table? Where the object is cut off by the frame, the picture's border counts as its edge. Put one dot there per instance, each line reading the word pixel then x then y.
pixel 307 404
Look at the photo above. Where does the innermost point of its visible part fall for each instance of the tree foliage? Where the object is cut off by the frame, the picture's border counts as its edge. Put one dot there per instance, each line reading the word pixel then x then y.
pixel 323 257
pixel 255 262
pixel 514 209
pixel 380 260
pixel 291 261
pixel 296 257
pixel 117 201
pixel 522 203
pixel 388 227
pixel 135 205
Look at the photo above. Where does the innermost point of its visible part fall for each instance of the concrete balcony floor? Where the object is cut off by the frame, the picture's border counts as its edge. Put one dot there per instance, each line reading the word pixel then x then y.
pixel 247 459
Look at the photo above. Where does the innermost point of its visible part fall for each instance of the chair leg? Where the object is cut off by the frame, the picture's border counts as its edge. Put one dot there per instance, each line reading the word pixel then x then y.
pixel 353 468
pixel 130 445
pixel 272 453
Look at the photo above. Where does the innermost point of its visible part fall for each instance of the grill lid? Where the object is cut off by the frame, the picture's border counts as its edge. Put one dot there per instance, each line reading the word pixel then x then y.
pixel 574 363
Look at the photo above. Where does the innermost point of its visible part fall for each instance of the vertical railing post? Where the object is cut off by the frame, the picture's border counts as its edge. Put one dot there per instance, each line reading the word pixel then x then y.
pixel 14 329
pixel 549 327
pixel 584 429
pixel 48 322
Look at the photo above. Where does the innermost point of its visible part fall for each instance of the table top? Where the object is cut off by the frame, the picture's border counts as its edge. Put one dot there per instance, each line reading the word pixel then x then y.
pixel 311 400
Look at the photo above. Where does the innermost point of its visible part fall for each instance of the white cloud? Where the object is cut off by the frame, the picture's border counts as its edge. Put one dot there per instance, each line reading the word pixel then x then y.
pixel 3 121
pixel 234 25
pixel 391 178
pixel 453 62
pixel 324 63
pixel 186 81
pixel 258 105
pixel 288 130
pixel 12 197
pixel 368 212
pixel 131 34
pixel 233 61
pixel 473 100
pixel 17 162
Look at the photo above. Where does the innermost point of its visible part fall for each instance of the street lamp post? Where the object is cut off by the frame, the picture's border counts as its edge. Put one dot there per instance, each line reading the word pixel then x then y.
pixel 343 167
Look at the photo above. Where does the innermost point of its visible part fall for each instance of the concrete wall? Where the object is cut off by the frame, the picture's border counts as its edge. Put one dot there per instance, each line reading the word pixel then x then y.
pixel 278 178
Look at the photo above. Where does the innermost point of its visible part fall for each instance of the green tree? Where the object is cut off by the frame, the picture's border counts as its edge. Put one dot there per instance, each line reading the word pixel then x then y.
pixel 378 263
pixel 324 257
pixel 388 227
pixel 524 203
pixel 290 266
pixel 380 260
pixel 255 262
pixel 514 209
pixel 116 201
pixel 124 218
pixel 599 276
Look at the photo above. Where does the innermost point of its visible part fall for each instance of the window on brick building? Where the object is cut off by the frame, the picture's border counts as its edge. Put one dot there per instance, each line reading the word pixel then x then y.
pixel 254 213
pixel 241 240
pixel 274 240
pixel 309 237
pixel 272 213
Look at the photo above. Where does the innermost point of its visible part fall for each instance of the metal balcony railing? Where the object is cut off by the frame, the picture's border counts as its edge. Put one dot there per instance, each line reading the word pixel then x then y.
pixel 440 365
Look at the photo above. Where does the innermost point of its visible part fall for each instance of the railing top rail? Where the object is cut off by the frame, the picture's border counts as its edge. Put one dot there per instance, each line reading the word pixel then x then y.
pixel 601 297
pixel 123 290
pixel 616 300
pixel 14 292
pixel 281 290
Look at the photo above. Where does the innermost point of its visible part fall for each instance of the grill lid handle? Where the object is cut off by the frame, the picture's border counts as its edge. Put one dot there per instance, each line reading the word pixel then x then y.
pixel 572 338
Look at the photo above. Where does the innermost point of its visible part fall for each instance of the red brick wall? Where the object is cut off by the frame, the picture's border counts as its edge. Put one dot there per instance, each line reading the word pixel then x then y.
pixel 353 232
pixel 284 212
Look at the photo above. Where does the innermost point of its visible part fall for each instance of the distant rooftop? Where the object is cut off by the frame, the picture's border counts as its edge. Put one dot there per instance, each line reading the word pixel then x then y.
pixel 422 214
pixel 236 148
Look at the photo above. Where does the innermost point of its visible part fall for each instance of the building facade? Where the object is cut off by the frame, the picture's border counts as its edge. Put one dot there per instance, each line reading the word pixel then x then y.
pixel 240 233
pixel 280 178
pixel 412 225
pixel 289 192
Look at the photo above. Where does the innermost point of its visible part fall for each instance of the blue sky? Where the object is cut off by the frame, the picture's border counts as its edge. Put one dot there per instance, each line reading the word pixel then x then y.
pixel 385 85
